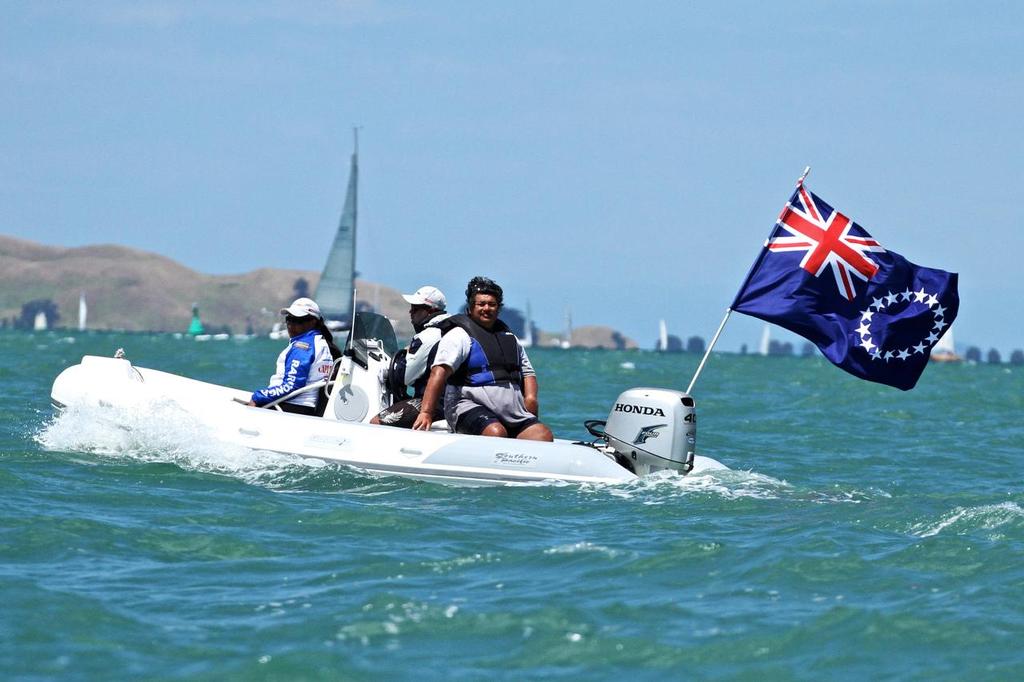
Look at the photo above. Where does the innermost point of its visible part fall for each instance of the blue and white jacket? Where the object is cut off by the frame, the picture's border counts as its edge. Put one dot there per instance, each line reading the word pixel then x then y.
pixel 306 359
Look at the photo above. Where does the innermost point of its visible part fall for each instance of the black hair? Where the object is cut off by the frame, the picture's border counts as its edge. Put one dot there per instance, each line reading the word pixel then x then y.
pixel 321 327
pixel 482 285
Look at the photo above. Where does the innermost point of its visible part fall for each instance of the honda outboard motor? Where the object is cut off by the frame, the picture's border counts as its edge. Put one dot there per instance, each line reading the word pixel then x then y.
pixel 653 429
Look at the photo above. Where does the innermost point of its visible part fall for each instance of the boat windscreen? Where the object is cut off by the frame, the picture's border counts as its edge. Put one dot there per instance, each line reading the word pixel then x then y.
pixel 369 327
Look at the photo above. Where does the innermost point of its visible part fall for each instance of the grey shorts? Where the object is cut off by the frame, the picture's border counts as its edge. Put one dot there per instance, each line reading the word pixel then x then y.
pixel 473 407
pixel 403 413
pixel 475 420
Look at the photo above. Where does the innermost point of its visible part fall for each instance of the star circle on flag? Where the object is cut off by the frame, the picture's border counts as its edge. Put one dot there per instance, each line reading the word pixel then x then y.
pixel 911 299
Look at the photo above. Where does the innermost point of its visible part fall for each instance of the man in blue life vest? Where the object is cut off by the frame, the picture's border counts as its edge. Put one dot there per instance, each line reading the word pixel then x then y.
pixel 309 357
pixel 489 385
pixel 426 310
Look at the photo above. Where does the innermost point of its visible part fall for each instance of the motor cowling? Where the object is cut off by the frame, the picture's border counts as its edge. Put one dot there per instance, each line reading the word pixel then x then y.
pixel 654 429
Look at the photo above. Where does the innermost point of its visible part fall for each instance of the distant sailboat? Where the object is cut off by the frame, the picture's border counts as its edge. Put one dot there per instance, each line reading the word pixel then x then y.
pixel 195 328
pixel 39 324
pixel 944 350
pixel 527 340
pixel 278 331
pixel 766 340
pixel 662 336
pixel 567 338
pixel 83 311
pixel 334 292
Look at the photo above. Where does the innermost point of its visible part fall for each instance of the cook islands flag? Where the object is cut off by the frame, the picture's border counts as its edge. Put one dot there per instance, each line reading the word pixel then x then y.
pixel 869 310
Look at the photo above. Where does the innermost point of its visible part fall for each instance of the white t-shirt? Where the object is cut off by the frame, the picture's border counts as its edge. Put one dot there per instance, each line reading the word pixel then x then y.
pixel 456 344
pixel 504 400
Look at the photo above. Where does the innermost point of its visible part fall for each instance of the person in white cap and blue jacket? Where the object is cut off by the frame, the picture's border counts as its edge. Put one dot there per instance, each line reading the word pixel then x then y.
pixel 412 368
pixel 309 358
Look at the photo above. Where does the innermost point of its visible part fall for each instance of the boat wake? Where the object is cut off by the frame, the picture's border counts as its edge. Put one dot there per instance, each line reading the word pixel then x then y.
pixel 964 520
pixel 163 433
pixel 665 487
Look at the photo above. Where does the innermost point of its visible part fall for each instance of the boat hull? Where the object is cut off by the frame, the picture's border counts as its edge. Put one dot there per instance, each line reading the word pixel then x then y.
pixel 116 385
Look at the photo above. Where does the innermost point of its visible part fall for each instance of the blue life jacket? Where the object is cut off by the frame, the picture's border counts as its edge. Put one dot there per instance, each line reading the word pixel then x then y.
pixel 493 355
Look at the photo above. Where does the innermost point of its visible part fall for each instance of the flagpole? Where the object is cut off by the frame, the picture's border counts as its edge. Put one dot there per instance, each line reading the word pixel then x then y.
pixel 714 340
pixel 728 311
pixel 764 251
pixel 803 177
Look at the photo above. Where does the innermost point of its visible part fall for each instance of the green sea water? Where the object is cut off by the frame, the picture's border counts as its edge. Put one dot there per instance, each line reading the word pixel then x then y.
pixel 861 533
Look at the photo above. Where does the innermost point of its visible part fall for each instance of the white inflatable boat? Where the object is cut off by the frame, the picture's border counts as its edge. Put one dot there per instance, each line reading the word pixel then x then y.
pixel 647 429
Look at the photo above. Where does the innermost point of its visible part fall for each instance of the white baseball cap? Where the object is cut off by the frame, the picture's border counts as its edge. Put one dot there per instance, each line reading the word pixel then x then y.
pixel 428 295
pixel 301 307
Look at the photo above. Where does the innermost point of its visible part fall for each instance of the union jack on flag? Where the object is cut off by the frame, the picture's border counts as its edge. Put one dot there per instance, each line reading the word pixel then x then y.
pixel 873 313
pixel 834 242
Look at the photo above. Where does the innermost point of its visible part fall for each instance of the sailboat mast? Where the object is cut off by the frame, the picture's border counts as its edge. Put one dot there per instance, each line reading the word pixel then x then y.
pixel 355 208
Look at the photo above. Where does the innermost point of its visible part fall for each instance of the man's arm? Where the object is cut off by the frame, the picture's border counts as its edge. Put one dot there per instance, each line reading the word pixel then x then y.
pixel 530 394
pixel 529 382
pixel 435 384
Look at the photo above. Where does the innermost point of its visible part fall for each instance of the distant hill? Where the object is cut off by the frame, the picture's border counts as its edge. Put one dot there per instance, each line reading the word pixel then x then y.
pixel 594 336
pixel 590 336
pixel 134 290
pixel 140 291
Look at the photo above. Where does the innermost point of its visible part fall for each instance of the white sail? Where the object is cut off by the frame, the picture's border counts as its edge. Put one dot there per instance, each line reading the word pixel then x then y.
pixel 944 350
pixel 766 340
pixel 567 338
pixel 337 282
pixel 945 343
pixel 39 324
pixel 83 312
pixel 527 340
pixel 662 336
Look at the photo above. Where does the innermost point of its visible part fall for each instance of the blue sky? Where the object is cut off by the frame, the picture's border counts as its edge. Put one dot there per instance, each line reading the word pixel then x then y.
pixel 622 160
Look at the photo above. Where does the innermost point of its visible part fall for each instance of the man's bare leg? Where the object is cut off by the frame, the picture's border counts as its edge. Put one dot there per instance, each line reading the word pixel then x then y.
pixel 536 431
pixel 495 430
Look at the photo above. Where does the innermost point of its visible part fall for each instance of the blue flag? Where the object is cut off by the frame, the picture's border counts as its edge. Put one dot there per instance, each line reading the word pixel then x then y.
pixel 869 310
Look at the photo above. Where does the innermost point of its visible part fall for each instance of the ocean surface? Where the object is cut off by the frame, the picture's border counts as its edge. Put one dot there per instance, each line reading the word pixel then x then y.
pixel 861 533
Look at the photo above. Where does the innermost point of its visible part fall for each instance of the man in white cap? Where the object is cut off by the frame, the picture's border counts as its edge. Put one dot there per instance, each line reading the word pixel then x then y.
pixel 412 366
pixel 308 358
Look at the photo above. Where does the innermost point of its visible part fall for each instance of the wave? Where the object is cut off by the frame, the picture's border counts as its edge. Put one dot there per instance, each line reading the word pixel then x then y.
pixel 728 484
pixel 164 433
pixel 962 520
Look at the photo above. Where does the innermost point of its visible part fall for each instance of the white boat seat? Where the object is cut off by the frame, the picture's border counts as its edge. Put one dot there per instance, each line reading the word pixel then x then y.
pixel 440 425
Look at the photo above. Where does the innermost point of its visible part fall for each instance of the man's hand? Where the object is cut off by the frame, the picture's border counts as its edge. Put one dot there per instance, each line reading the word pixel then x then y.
pixel 423 422
pixel 435 386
